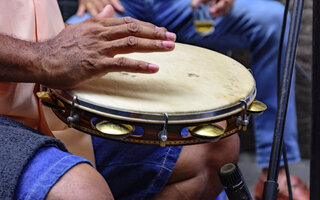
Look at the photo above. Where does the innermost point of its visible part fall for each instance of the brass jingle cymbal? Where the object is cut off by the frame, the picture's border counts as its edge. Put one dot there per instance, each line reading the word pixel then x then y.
pixel 207 131
pixel 113 129
pixel 257 107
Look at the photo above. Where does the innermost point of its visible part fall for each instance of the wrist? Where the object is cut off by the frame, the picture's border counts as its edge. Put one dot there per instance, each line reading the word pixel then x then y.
pixel 39 71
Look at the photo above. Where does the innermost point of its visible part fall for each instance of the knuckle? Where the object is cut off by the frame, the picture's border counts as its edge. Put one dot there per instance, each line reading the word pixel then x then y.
pixel 161 28
pixel 131 41
pixel 149 24
pixel 127 20
pixel 103 35
pixel 133 27
pixel 121 62
pixel 94 19
pixel 159 33
pixel 142 66
pixel 158 44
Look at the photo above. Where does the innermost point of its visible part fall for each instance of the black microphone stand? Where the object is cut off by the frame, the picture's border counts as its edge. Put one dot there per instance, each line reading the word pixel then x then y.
pixel 271 186
pixel 315 137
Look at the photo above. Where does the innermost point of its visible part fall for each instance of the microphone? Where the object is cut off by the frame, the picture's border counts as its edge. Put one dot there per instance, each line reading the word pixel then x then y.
pixel 233 182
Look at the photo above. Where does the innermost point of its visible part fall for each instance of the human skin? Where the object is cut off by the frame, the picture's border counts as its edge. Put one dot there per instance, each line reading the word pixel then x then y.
pixel 83 51
pixel 96 6
pixel 217 8
pixel 81 182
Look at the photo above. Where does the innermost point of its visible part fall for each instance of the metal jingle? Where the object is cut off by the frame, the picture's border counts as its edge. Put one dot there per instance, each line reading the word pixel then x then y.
pixel 257 107
pixel 50 100
pixel 207 131
pixel 113 129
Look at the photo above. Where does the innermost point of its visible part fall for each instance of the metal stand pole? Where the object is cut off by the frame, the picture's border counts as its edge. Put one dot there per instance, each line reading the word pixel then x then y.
pixel 271 185
pixel 315 137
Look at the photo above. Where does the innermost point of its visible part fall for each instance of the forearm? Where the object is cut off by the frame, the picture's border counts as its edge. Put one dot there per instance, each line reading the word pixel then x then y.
pixel 19 60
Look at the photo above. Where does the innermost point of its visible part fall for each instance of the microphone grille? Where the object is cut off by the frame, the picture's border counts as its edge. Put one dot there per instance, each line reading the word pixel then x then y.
pixel 230 175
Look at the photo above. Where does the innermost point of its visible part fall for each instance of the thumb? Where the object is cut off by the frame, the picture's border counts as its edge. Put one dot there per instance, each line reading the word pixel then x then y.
pixel 107 12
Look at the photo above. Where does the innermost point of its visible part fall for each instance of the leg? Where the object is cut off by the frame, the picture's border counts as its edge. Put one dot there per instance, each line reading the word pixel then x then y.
pixel 195 175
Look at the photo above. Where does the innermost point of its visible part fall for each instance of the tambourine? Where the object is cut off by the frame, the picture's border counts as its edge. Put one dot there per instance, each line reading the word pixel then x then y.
pixel 197 96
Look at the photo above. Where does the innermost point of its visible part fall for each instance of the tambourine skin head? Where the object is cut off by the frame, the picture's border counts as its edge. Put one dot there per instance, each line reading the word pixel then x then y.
pixel 257 107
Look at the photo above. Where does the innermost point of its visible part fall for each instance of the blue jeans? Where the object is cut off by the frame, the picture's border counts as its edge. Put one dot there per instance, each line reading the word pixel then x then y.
pixel 253 25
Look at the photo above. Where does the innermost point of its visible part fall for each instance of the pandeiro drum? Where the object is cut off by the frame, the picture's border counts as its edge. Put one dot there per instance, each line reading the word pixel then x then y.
pixel 198 95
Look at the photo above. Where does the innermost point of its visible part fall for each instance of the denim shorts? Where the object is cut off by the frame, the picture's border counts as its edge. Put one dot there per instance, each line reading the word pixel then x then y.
pixel 132 171
pixel 43 171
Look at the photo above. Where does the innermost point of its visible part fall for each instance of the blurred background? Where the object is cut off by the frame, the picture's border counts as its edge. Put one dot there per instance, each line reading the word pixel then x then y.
pixel 303 103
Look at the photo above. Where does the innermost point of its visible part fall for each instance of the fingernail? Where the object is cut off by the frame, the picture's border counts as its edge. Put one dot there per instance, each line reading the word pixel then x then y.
pixel 171 36
pixel 168 44
pixel 153 68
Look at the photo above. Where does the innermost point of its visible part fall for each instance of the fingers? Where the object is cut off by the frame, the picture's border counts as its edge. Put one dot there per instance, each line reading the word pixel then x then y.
pixel 134 44
pixel 125 26
pixel 137 30
pixel 99 5
pixel 92 6
pixel 128 65
pixel 117 5
pixel 81 10
pixel 107 12
pixel 92 9
pixel 119 21
pixel 220 8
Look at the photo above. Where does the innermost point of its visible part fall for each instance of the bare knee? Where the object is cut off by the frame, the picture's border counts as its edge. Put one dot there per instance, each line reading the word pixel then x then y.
pixel 224 151
pixel 220 153
pixel 195 175
pixel 80 182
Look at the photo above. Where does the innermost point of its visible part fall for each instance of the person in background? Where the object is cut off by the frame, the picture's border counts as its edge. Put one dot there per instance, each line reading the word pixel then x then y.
pixel 253 25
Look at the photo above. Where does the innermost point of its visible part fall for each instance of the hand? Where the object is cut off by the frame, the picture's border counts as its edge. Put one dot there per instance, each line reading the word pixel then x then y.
pixel 96 6
pixel 86 50
pixel 218 7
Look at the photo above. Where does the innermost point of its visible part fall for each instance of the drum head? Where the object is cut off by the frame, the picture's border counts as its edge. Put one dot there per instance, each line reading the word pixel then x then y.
pixel 193 83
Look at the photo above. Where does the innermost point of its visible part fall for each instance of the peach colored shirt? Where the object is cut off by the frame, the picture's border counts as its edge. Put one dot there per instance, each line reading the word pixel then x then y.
pixel 29 20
